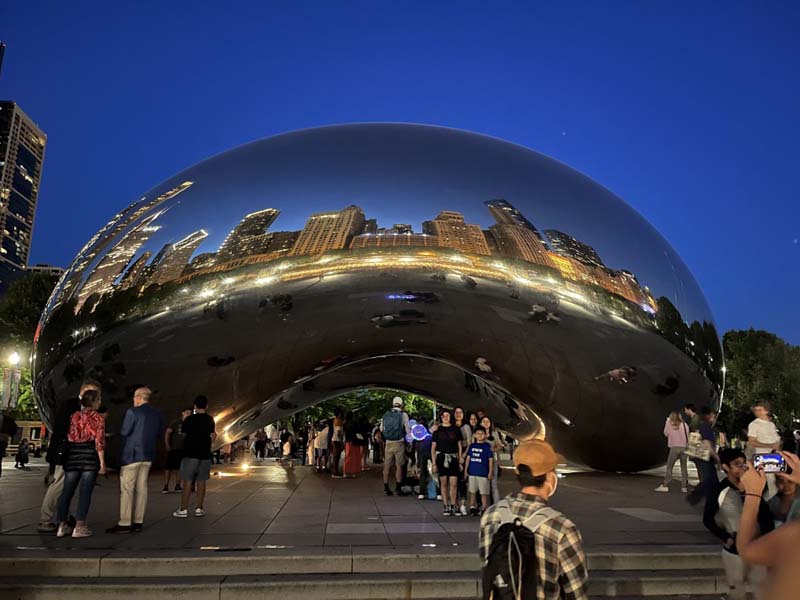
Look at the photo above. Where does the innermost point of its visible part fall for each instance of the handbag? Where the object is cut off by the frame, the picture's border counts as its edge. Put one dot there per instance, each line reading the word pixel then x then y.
pixel 697 447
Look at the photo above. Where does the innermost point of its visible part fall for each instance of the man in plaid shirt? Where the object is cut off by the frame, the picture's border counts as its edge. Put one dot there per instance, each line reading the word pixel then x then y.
pixel 560 559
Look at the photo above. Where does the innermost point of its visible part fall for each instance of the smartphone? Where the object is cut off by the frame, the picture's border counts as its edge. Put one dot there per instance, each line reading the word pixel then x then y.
pixel 771 463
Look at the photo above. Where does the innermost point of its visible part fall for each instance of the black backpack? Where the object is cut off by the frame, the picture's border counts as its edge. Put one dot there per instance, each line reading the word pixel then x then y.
pixel 510 572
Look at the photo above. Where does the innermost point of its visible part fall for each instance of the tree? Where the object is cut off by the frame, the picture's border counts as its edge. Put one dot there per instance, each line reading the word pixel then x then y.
pixel 20 310
pixel 760 366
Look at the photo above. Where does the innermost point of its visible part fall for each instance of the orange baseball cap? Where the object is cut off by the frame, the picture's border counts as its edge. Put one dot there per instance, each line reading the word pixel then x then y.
pixel 538 456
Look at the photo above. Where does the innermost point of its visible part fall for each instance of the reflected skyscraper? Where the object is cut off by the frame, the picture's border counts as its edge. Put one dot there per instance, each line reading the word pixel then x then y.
pixel 506 213
pixel 329 231
pixel 567 245
pixel 249 236
pixel 171 264
pixel 453 232
pixel 134 275
pixel 516 241
pixel 116 260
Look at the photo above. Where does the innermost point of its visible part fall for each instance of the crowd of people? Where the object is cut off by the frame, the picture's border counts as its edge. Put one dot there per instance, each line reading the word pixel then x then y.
pixel 724 467
pixel 77 456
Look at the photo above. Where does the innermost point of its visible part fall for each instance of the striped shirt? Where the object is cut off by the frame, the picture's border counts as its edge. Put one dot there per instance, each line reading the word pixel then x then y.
pixel 559 549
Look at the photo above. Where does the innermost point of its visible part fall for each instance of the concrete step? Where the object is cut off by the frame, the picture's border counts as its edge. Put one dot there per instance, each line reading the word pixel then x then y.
pixel 343 560
pixel 351 586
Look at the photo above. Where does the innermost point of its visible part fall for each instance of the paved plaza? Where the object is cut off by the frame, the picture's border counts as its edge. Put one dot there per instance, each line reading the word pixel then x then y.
pixel 269 506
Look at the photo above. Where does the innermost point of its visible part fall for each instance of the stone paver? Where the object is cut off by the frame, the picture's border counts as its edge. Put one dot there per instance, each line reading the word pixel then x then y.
pixel 265 507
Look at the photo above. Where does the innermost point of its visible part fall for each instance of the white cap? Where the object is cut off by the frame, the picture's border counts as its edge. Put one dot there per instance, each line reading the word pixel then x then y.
pixel 397 401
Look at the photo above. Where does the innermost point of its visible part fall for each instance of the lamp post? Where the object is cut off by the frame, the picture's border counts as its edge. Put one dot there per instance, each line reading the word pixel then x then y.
pixel 11 378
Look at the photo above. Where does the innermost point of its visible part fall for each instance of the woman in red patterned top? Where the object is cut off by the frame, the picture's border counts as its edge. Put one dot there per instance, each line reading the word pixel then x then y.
pixel 84 459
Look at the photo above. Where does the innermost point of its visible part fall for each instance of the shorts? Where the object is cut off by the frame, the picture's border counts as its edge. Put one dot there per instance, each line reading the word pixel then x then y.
pixel 320 452
pixel 479 485
pixel 395 452
pixel 195 469
pixel 286 457
pixel 174 458
pixel 450 471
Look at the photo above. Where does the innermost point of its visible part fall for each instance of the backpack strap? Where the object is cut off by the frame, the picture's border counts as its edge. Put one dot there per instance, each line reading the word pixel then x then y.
pixel 532 522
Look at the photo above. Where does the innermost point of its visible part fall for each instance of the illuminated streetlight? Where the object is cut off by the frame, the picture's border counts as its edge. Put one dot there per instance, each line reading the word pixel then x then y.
pixel 13 360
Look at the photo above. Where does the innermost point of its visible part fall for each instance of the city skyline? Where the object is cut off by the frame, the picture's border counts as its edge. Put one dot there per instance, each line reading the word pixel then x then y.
pixel 513 236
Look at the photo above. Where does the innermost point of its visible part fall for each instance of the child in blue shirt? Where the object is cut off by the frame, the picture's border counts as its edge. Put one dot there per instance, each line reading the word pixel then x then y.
pixel 479 471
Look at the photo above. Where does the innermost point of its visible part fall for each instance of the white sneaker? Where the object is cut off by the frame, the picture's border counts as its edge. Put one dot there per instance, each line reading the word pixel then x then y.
pixel 199 512
pixel 662 488
pixel 181 514
pixel 464 510
pixel 63 529
pixel 421 497
pixel 685 490
pixel 438 496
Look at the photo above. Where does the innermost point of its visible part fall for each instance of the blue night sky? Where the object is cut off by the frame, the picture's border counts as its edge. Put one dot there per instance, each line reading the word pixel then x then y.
pixel 688 113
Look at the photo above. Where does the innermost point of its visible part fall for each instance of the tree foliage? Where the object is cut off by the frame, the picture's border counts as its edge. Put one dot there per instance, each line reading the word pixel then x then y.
pixel 21 308
pixel 760 366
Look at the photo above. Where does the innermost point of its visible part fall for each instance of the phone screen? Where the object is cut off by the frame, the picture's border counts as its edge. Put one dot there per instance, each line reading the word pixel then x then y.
pixel 771 463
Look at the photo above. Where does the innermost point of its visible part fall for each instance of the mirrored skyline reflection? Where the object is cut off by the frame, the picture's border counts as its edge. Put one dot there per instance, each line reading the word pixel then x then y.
pixel 369 217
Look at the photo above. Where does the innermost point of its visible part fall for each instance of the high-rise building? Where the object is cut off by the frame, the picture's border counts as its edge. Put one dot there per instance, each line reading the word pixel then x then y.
pixel 329 231
pixel 249 236
pixel 402 228
pixel 517 241
pixel 202 261
pixel 171 261
pixel 566 245
pixel 452 232
pixel 22 146
pixel 49 269
pixel 505 213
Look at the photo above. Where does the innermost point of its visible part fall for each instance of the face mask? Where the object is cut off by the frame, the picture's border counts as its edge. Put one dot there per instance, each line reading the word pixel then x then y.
pixel 555 487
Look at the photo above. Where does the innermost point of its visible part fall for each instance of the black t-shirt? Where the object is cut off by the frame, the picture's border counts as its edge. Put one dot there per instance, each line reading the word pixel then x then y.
pixel 177 437
pixel 447 439
pixel 198 429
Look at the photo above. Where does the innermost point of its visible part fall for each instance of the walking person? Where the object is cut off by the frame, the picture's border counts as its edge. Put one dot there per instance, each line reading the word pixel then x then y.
pixel 54 456
pixel 337 443
pixel 493 438
pixel 479 472
pixel 363 439
pixel 8 429
pixel 545 550
pixel 690 412
pixel 83 458
pixel 394 429
pixel 352 451
pixel 140 430
pixel 200 431
pixel 261 445
pixel 763 438
pixel 707 468
pixel 461 421
pixel 321 447
pixel 173 441
pixel 677 433
pixel 447 451
pixel 423 448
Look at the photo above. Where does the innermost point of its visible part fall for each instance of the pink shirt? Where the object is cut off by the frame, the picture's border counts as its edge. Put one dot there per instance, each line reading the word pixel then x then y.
pixel 676 438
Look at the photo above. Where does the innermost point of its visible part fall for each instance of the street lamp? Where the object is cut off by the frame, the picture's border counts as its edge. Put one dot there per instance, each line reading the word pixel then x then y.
pixel 13 360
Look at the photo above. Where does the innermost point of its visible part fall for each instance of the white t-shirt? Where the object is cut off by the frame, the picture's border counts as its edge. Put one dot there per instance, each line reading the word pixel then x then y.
pixel 764 431
pixel 321 441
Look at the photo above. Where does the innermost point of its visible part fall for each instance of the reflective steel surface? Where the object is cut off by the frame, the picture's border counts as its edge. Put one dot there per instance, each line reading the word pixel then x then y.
pixel 436 261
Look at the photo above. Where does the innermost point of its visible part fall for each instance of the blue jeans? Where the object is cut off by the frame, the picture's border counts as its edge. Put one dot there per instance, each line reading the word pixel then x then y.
pixel 72 480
